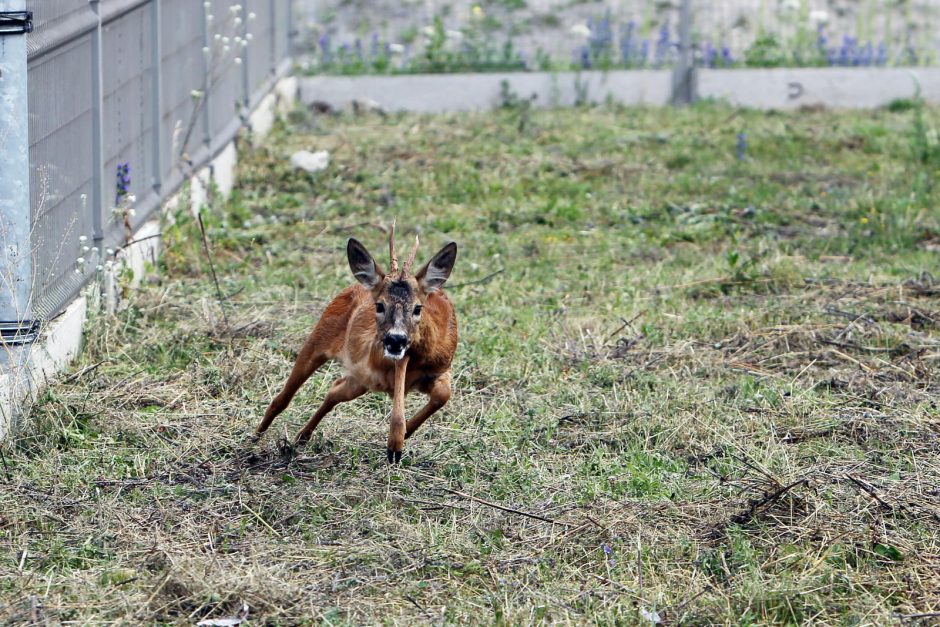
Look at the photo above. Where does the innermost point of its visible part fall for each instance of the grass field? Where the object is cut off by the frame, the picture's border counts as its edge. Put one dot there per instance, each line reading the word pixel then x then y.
pixel 690 388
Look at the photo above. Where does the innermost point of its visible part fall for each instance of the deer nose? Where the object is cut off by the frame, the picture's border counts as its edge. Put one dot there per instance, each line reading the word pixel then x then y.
pixel 395 343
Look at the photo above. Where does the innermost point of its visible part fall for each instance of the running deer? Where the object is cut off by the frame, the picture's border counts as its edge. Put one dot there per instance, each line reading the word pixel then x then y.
pixel 392 333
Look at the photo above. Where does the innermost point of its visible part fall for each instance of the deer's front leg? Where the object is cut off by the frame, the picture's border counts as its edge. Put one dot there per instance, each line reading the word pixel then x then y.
pixel 396 427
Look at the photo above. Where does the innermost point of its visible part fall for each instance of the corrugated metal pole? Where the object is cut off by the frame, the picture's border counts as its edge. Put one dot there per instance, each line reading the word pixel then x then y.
pixel 156 92
pixel 16 280
pixel 683 77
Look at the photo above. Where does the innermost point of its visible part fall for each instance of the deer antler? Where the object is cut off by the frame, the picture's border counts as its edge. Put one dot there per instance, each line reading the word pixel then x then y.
pixel 411 258
pixel 391 249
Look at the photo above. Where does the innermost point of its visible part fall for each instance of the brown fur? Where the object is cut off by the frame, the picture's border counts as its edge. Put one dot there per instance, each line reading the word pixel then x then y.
pixel 352 332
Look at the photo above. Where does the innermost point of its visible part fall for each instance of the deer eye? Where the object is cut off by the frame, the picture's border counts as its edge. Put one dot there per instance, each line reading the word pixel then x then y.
pixel 418 310
pixel 380 308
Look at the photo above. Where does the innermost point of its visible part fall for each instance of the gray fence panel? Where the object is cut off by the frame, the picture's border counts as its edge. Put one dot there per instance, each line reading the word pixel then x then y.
pixel 183 74
pixel 56 22
pixel 61 172
pixel 163 121
pixel 282 28
pixel 227 93
pixel 127 113
pixel 260 57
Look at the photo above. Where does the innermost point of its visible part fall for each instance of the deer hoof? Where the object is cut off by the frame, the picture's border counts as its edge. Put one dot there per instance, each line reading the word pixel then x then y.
pixel 394 457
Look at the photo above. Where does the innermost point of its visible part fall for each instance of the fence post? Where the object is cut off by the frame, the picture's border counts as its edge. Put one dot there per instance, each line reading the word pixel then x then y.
pixel 683 74
pixel 274 60
pixel 207 75
pixel 290 28
pixel 156 93
pixel 16 326
pixel 98 194
pixel 244 53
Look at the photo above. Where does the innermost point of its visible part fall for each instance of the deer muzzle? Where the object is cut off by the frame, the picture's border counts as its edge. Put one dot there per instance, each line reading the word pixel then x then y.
pixel 395 345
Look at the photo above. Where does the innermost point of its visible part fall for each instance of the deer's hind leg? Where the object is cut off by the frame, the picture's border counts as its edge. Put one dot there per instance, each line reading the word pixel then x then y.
pixel 324 343
pixel 305 366
pixel 438 396
pixel 342 390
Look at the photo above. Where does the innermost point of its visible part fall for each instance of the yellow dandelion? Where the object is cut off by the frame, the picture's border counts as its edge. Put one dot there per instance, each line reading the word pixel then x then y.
pixel 863 219
pixel 477 11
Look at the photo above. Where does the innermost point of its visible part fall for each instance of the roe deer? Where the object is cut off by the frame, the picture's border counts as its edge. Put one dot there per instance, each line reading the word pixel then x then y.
pixel 392 333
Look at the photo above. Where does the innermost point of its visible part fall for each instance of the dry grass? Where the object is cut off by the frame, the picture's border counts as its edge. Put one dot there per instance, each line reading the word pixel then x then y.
pixel 674 397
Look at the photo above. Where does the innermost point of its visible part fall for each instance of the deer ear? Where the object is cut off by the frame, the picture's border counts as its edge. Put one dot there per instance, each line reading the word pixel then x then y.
pixel 362 264
pixel 433 274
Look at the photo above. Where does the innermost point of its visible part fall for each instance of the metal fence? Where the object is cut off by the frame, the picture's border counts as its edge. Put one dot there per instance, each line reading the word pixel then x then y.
pixel 125 98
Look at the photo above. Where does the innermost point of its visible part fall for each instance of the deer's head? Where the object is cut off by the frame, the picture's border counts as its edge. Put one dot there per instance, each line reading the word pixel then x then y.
pixel 399 296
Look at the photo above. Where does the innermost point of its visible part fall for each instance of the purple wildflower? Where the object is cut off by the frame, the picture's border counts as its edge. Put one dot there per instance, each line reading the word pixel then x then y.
pixel 740 148
pixel 583 57
pixel 881 57
pixel 601 37
pixel 123 182
pixel 325 47
pixel 663 44
pixel 627 45
pixel 726 59
pixel 708 56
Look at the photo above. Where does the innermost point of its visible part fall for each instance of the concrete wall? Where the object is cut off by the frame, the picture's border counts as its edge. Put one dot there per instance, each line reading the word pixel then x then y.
pixel 774 88
pixel 437 93
pixel 835 88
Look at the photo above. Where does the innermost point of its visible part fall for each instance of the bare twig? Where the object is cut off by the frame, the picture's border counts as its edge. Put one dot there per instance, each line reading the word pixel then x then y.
pixel 215 279
pixel 486 279
pixel 767 499
pixel 137 241
pixel 918 615
pixel 477 499
pixel 78 375
pixel 6 469
pixel 869 490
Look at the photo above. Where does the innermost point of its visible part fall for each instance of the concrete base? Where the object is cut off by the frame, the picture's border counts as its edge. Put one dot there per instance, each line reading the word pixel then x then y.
pixel 278 102
pixel 28 368
pixel 438 93
pixel 25 370
pixel 836 88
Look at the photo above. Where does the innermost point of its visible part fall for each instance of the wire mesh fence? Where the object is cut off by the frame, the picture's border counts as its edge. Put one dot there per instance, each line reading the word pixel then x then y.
pixel 124 97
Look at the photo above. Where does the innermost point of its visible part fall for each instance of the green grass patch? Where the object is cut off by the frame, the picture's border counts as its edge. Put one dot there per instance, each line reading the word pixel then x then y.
pixel 689 385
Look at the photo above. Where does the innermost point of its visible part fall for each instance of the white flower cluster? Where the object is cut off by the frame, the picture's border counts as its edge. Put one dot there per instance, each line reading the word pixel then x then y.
pixel 225 43
pixel 86 253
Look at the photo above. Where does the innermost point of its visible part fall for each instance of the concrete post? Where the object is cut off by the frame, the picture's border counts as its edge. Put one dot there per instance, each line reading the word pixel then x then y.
pixel 683 78
pixel 16 262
